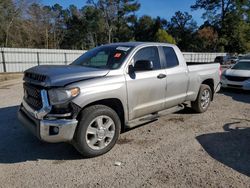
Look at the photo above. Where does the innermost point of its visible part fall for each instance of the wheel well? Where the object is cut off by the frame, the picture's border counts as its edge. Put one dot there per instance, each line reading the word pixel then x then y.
pixel 113 103
pixel 210 83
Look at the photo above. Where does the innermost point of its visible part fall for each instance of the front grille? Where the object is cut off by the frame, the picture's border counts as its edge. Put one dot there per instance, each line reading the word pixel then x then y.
pixel 32 95
pixel 237 78
pixel 37 77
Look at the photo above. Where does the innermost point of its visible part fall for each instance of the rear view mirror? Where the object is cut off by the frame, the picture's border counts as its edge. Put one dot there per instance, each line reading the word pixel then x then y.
pixel 143 65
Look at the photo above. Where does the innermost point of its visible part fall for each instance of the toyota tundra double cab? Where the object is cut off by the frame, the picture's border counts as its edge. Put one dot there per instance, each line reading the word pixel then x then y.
pixel 91 101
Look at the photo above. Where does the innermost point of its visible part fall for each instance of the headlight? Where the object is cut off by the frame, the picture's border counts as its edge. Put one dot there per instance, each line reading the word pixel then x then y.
pixel 58 96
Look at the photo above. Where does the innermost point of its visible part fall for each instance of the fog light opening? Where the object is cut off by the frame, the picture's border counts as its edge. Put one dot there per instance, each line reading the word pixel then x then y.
pixel 53 130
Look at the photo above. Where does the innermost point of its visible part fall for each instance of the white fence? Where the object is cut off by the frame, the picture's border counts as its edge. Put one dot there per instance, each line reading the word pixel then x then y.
pixel 20 59
pixel 201 57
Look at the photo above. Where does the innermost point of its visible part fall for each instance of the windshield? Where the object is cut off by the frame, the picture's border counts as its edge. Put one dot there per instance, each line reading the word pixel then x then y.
pixel 243 65
pixel 104 57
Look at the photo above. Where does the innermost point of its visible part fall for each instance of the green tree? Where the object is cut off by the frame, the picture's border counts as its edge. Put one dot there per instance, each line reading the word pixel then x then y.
pixel 163 36
pixel 40 25
pixel 125 20
pixel 182 27
pixel 146 28
pixel 58 25
pixel 231 19
pixel 216 11
pixel 114 12
pixel 236 34
pixel 76 29
pixel 10 17
pixel 95 26
pixel 208 38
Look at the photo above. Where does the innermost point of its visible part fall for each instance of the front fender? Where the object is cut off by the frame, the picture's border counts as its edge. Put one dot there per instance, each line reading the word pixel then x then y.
pixel 113 87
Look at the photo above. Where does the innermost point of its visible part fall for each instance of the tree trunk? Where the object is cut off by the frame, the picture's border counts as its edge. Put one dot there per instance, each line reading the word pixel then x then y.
pixel 109 34
pixel 55 39
pixel 46 38
pixel 6 39
pixel 7 32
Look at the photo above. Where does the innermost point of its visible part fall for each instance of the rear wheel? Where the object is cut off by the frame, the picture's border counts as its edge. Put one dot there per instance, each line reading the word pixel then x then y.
pixel 203 100
pixel 98 130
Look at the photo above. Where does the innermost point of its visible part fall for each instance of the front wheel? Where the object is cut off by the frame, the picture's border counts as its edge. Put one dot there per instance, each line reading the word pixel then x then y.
pixel 98 130
pixel 203 100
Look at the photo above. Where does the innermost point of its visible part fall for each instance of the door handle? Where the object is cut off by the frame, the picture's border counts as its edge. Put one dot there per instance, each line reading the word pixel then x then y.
pixel 161 76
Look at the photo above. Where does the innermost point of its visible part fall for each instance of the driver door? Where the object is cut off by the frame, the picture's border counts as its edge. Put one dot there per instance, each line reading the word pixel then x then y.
pixel 146 89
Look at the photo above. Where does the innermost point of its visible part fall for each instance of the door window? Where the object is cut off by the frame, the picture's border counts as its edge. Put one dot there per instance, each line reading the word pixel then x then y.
pixel 171 58
pixel 149 53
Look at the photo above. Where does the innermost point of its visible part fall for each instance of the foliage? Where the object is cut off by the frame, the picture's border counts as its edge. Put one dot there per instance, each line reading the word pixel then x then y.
pixel 115 14
pixel 182 27
pixel 10 13
pixel 231 19
pixel 26 23
pixel 163 36
pixel 208 38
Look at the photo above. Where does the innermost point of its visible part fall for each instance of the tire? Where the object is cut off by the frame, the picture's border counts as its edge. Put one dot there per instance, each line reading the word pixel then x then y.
pixel 203 100
pixel 97 131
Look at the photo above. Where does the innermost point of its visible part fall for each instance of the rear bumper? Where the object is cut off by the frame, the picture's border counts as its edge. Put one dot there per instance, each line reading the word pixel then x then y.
pixel 54 131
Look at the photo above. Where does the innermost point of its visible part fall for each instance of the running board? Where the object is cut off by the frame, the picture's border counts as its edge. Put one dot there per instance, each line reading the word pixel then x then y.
pixel 154 116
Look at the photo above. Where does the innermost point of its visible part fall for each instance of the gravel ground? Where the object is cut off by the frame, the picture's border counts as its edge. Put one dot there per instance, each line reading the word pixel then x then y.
pixel 10 76
pixel 179 150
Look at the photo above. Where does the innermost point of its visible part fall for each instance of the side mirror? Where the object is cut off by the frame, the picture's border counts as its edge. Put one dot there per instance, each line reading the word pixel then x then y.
pixel 143 65
pixel 131 69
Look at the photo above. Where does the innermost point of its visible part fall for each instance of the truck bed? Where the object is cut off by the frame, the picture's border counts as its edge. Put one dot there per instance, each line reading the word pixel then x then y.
pixel 201 71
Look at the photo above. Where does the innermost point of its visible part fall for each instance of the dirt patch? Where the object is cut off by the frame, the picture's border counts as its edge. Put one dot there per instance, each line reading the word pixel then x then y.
pixel 10 76
pixel 176 119
pixel 6 86
pixel 58 162
pixel 123 141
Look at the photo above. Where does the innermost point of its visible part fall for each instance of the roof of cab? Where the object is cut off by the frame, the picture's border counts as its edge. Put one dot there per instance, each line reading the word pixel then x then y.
pixel 136 44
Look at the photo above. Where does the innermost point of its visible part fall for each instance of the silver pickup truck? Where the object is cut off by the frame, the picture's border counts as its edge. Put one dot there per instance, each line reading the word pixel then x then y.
pixel 91 101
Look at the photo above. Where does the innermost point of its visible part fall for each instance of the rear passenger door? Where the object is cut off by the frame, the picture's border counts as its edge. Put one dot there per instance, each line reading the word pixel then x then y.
pixel 177 78
pixel 146 89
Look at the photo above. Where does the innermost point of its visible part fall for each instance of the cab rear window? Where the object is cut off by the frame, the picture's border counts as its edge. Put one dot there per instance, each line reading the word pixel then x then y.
pixel 171 58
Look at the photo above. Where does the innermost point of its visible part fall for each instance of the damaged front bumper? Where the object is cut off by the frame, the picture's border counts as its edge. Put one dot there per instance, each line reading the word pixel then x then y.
pixel 49 130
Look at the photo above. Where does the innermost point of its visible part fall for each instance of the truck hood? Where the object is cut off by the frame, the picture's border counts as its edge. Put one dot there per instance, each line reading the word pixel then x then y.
pixel 61 75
